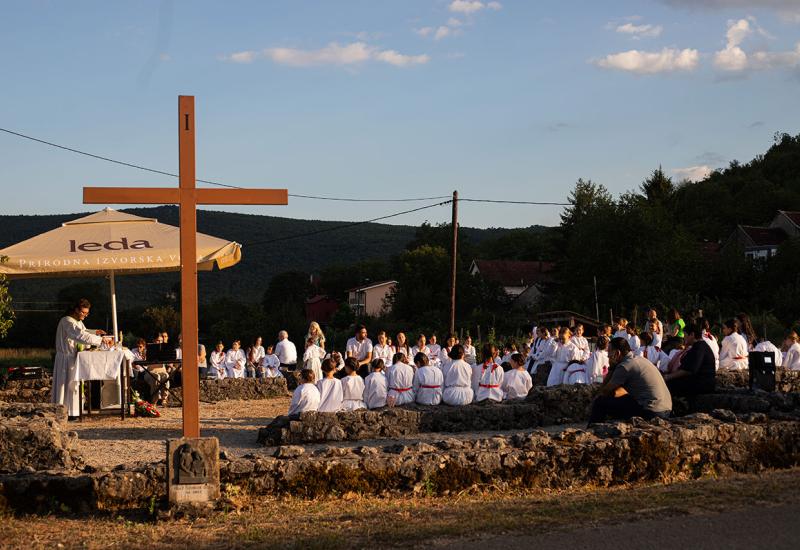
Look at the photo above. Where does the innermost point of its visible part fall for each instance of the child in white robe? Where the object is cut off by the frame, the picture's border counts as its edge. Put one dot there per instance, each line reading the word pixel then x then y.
pixel 401 382
pixel 352 387
pixel 546 351
pixel 621 328
pixel 330 389
pixel 434 350
pixel 633 338
pixel 767 346
pixel 235 361
pixel 597 365
pixel 306 395
pixel 217 359
pixel 470 355
pixel 489 377
pixel 269 363
pixel 421 347
pixel 733 352
pixel 516 382
pixel 458 382
pixel 382 350
pixel 648 350
pixel 375 387
pixel 566 352
pixel 709 338
pixel 581 342
pixel 428 382
pixel 792 359
pixel 312 358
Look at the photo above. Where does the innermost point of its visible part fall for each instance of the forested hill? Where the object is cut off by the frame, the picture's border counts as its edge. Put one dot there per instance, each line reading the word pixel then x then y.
pixel 247 280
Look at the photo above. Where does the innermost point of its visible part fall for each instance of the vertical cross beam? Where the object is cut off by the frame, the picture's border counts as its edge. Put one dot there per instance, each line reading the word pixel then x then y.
pixel 188 217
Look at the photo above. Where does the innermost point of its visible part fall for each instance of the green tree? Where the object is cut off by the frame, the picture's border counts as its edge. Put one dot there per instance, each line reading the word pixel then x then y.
pixel 588 199
pixel 6 311
pixel 159 318
pixel 658 187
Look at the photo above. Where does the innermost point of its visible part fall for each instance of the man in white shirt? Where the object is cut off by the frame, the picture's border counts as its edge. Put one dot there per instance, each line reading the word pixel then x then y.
pixel 359 347
pixel 286 351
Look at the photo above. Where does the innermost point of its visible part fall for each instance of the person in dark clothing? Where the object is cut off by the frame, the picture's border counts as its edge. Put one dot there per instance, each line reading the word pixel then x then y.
pixel 697 371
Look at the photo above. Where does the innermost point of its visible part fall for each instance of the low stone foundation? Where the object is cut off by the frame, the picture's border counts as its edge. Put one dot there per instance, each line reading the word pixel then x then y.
pixel 27 391
pixel 542 407
pixel 35 437
pixel 776 405
pixel 786 381
pixel 246 389
pixel 607 455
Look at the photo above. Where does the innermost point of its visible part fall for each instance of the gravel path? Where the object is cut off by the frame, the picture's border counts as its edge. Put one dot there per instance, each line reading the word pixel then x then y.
pixel 106 441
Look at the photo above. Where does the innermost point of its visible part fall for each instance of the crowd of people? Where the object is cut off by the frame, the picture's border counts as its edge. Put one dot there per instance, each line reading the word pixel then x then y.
pixel 639 370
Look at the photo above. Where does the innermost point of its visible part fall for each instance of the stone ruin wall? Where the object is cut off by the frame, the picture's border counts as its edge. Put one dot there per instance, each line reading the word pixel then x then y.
pixel 608 454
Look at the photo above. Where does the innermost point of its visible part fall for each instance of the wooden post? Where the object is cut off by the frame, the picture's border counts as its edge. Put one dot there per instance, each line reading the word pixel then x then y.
pixel 188 216
pixel 453 262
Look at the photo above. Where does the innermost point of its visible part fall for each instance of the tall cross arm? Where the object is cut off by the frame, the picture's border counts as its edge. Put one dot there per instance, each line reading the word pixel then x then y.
pixel 172 195
pixel 242 196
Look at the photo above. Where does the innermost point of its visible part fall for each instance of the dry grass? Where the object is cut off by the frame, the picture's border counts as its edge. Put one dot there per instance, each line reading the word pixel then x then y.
pixel 352 521
pixel 25 353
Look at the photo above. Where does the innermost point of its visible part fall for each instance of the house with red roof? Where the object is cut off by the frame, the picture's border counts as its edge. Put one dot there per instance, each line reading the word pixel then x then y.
pixel 523 281
pixel 761 243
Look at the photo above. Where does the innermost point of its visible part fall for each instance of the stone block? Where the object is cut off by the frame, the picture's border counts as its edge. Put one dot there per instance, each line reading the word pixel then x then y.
pixel 193 470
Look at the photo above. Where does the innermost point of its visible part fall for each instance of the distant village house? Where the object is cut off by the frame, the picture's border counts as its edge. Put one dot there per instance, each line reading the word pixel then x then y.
pixel 370 299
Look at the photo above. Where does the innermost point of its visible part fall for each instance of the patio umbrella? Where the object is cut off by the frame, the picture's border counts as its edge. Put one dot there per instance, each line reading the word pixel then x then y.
pixel 110 243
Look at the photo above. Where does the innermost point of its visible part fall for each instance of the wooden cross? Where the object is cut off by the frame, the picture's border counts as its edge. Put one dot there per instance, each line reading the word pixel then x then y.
pixel 187 196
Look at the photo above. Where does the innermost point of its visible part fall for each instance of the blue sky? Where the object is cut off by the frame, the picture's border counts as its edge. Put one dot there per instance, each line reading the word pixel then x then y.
pixel 387 99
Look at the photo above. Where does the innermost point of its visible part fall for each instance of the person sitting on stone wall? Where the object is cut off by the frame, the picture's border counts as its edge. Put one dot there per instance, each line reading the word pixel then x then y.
pixel 458 382
pixel 697 371
pixel 306 395
pixel 633 387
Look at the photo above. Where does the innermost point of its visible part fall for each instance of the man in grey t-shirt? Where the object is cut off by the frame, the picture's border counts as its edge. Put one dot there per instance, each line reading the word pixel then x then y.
pixel 633 387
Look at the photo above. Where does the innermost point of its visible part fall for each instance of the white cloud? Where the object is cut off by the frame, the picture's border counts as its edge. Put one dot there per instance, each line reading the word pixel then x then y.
pixel 400 60
pixel 788 10
pixel 640 31
pixel 466 6
pixel 335 54
pixel 453 22
pixel 442 32
pixel 424 31
pixel 494 6
pixel 734 59
pixel 692 173
pixel 641 62
pixel 163 56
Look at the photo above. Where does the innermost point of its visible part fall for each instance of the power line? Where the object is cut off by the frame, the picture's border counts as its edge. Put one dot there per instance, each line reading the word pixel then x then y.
pixel 210 182
pixel 345 226
pixel 518 202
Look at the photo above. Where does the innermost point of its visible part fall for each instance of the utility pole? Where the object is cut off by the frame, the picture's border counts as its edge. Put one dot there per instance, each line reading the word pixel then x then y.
pixel 453 257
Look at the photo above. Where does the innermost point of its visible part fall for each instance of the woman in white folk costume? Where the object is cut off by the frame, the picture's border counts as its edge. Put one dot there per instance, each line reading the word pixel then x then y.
pixel 517 382
pixel 489 376
pixel 458 382
pixel 382 350
pixel 315 333
pixel 312 358
pixel 375 386
pixel 352 387
pixel 655 327
pixel 254 356
pixel 546 350
pixel 428 381
pixel 581 342
pixel 69 334
pixel 633 337
pixel 435 349
pixel 710 339
pixel 792 359
pixel 330 388
pixel 217 369
pixel 235 361
pixel 270 365
pixel 470 355
pixel 444 354
pixel 401 382
pixel 400 346
pixel 620 328
pixel 733 352
pixel 306 396
pixel 421 347
pixel 566 352
pixel 597 365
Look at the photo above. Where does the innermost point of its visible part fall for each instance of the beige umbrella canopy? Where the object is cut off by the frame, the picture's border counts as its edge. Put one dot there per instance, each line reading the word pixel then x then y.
pixel 112 243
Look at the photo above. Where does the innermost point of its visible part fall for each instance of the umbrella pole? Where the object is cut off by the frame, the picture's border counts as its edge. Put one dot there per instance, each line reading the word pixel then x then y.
pixel 113 284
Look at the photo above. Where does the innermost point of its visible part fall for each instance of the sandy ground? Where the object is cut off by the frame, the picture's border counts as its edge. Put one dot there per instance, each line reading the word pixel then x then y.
pixel 106 441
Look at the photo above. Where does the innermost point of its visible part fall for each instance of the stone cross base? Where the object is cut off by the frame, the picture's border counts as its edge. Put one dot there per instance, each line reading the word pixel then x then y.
pixel 193 470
